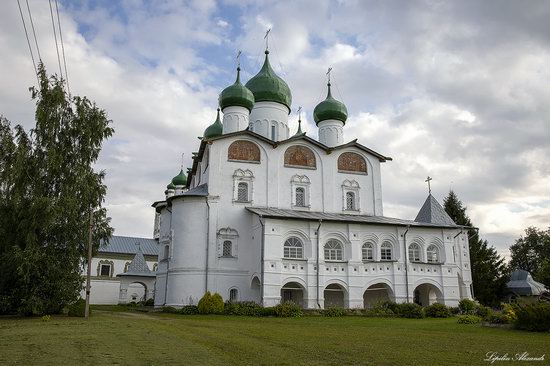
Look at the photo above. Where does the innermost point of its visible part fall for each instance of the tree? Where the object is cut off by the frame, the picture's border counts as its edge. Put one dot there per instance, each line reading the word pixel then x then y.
pixel 532 253
pixel 47 188
pixel 489 271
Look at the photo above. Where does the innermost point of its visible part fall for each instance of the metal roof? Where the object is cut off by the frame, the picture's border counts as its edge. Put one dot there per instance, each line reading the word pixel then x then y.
pixel 432 212
pixel 521 283
pixel 127 245
pixel 359 219
pixel 138 266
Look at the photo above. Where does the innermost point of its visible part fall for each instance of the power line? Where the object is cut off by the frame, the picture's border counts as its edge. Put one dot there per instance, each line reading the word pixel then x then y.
pixel 62 48
pixel 33 32
pixel 55 38
pixel 28 42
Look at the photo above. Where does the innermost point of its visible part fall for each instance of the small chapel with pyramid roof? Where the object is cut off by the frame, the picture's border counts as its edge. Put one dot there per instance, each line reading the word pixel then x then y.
pixel 268 216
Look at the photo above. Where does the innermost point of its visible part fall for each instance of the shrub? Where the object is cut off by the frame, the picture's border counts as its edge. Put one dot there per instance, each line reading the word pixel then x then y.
pixel 149 302
pixel 269 311
pixel 380 313
pixel 288 310
pixel 334 311
pixel 410 310
pixel 189 310
pixel 437 310
pixel 455 310
pixel 46 318
pixel 169 309
pixel 509 312
pixel 533 317
pixel 78 308
pixel 246 308
pixel 466 306
pixel 468 319
pixel 483 311
pixel 211 304
pixel 496 318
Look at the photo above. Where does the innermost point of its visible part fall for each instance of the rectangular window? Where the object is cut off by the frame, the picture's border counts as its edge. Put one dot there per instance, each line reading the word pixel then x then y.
pixel 242 192
pixel 350 201
pixel 300 197
pixel 105 270
pixel 226 250
pixel 385 254
pixel 273 132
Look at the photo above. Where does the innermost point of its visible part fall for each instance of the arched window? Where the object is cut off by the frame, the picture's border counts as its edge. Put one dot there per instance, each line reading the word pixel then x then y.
pixel 227 249
pixel 368 252
pixel 350 201
pixel 433 254
pixel 233 295
pixel 414 252
pixel 300 197
pixel 333 250
pixel 293 248
pixel 242 192
pixel 386 252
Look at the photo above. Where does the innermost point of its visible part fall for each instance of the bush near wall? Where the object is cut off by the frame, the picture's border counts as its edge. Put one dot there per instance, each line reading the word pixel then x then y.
pixel 468 319
pixel 410 310
pixel 246 308
pixel 334 311
pixel 288 310
pixel 533 317
pixel 437 310
pixel 78 308
pixel 211 304
pixel 467 306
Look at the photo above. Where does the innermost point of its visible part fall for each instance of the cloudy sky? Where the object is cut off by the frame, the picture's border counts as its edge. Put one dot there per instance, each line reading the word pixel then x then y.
pixel 458 90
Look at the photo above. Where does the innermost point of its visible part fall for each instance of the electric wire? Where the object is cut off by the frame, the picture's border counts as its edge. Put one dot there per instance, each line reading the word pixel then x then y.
pixel 55 39
pixel 28 42
pixel 33 32
pixel 62 48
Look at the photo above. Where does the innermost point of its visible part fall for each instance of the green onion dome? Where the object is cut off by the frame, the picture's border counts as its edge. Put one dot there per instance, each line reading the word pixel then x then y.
pixel 237 95
pixel 215 129
pixel 268 87
pixel 171 185
pixel 330 108
pixel 179 180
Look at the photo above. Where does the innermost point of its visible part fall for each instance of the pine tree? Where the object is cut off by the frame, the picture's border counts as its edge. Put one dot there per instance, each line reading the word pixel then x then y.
pixel 489 271
pixel 47 189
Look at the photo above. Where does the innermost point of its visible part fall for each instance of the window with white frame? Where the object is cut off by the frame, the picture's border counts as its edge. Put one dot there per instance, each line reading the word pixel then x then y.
pixel 386 250
pixel 368 252
pixel 233 295
pixel 242 185
pixel 414 252
pixel 227 242
pixel 105 268
pixel 334 250
pixel 433 254
pixel 300 190
pixel 293 248
pixel 350 193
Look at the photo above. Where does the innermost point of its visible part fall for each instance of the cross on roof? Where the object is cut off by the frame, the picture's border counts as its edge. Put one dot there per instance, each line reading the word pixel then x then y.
pixel 328 74
pixel 428 180
pixel 266 37
pixel 239 58
pixel 182 154
pixel 299 113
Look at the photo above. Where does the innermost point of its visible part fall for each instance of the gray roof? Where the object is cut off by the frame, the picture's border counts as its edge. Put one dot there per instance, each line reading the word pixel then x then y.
pixel 522 283
pixel 360 219
pixel 138 266
pixel 432 212
pixel 127 245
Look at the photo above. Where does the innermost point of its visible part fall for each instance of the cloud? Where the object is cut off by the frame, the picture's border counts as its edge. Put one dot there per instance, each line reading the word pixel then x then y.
pixel 454 90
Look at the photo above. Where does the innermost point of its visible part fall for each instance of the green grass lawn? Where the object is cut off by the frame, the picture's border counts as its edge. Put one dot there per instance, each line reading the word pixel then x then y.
pixel 134 338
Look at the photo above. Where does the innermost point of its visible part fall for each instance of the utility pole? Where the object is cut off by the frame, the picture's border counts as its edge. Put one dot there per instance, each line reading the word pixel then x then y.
pixel 89 272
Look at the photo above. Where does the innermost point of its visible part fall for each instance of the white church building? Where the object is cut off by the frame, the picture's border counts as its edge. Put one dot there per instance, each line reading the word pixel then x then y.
pixel 268 216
